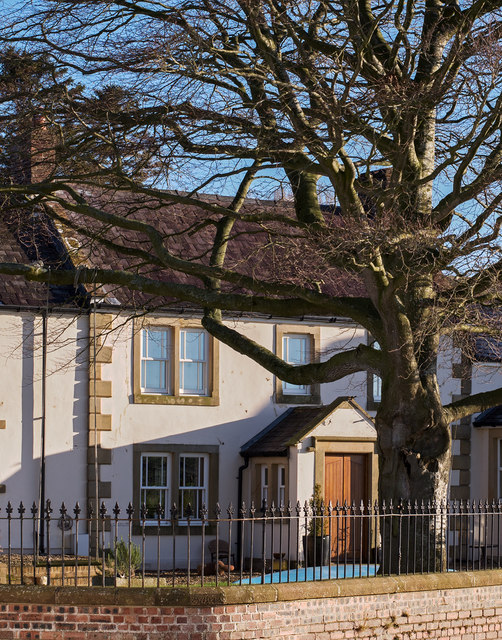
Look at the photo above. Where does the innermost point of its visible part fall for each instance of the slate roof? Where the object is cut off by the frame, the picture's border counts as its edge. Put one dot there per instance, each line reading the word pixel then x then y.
pixel 25 240
pixel 488 349
pixel 489 418
pixel 288 429
pixel 186 233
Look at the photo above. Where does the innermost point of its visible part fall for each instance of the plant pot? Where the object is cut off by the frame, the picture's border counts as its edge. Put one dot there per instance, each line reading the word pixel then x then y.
pixel 316 550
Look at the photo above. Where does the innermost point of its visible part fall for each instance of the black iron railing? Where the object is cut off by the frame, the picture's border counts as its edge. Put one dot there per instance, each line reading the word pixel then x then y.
pixel 288 543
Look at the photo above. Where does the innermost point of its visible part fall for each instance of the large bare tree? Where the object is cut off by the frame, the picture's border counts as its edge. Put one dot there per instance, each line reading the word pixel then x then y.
pixel 378 123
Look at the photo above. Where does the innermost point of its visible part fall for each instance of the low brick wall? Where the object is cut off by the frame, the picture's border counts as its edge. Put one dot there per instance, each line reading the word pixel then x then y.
pixel 465 605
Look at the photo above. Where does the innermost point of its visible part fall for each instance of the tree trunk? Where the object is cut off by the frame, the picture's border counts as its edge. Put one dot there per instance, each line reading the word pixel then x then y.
pixel 414 463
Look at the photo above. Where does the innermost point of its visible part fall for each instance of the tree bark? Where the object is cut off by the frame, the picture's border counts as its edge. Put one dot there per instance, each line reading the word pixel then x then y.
pixel 414 442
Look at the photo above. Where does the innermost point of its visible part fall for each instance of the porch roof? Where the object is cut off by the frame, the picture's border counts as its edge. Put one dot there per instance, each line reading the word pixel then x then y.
pixel 489 418
pixel 290 428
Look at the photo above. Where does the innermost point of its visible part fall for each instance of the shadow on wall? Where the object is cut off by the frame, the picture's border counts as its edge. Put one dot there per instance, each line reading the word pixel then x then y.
pixel 66 472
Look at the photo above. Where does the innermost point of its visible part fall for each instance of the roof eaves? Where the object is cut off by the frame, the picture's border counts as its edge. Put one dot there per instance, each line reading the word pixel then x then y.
pixel 490 418
pixel 264 431
pixel 324 412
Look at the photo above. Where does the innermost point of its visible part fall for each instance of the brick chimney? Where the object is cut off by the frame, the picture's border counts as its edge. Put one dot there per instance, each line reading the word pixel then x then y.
pixel 42 150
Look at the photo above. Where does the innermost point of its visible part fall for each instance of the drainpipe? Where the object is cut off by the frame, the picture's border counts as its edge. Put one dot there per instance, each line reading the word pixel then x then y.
pixel 41 539
pixel 95 429
pixel 239 504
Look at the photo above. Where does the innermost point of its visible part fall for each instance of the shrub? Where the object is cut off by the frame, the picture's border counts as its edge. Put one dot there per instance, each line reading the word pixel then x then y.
pixel 120 555
pixel 315 526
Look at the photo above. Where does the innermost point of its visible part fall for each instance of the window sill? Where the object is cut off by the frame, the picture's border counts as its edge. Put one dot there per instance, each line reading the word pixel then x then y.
pixel 196 401
pixel 282 398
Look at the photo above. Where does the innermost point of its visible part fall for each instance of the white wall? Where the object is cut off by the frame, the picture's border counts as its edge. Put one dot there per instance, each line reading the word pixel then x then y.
pixel 21 408
pixel 485 377
pixel 246 405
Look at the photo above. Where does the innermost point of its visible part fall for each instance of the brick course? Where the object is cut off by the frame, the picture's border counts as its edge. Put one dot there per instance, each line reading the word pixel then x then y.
pixel 412 608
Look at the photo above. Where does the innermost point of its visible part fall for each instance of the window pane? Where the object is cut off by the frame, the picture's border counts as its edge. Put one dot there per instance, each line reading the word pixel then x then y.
pixel 192 377
pixel 154 482
pixel 156 476
pixel 193 362
pixel 155 361
pixel 154 374
pixel 295 389
pixel 191 472
pixel 144 468
pixel 377 388
pixel 157 343
pixel 192 347
pixel 192 484
pixel 188 497
pixel 297 349
pixel 153 498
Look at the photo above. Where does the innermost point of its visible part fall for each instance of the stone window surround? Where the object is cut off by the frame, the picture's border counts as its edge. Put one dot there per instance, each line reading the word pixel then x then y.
pixel 315 389
pixel 175 324
pixel 175 450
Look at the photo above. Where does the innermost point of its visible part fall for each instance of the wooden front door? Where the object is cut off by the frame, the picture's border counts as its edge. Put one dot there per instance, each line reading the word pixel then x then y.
pixel 346 482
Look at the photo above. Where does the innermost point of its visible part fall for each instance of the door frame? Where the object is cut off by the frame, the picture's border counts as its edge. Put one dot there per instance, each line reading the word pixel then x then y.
pixel 367 446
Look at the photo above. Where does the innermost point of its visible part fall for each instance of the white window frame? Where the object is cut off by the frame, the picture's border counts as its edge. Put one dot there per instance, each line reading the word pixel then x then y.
pixel 202 488
pixel 202 362
pixel 376 381
pixel 175 347
pixel 377 388
pixel 163 489
pixel 264 485
pixel 289 389
pixel 281 485
pixel 145 357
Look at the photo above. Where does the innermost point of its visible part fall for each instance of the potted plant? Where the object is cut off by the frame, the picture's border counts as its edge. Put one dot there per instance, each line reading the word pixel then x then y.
pixel 317 542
